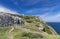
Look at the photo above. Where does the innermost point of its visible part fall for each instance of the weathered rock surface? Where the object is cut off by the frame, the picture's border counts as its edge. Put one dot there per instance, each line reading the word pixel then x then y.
pixel 7 20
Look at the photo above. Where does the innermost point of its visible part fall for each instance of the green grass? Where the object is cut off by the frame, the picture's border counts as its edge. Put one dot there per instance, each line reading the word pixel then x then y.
pixel 3 32
pixel 32 23
pixel 19 34
pixel 31 26
pixel 25 35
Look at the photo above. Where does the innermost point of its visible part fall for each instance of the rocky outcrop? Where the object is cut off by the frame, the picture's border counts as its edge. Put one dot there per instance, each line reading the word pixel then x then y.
pixel 7 20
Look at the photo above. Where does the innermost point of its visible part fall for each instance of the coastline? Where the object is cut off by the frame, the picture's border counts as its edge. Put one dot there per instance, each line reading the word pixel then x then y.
pixel 52 30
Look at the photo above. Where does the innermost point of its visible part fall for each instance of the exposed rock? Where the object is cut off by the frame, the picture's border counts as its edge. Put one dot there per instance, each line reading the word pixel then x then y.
pixel 41 26
pixel 7 20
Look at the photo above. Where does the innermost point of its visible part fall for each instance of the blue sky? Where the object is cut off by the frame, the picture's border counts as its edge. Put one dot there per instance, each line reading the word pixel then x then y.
pixel 48 10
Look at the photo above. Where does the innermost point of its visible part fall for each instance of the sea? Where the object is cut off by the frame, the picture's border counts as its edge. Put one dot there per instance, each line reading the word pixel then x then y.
pixel 55 25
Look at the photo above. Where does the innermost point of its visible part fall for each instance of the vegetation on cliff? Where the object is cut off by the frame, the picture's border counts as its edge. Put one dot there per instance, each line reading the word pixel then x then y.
pixel 34 28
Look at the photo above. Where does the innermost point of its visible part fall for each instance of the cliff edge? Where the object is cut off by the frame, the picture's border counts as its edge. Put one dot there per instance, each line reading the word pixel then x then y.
pixel 14 26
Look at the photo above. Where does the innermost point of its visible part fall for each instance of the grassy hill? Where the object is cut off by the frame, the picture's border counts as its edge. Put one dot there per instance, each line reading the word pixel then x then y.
pixel 20 34
pixel 31 29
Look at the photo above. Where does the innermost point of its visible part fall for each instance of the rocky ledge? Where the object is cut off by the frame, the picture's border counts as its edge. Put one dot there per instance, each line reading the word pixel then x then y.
pixel 7 20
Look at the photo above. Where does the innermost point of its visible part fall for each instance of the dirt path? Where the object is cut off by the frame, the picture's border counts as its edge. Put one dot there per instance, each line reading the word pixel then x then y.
pixel 10 33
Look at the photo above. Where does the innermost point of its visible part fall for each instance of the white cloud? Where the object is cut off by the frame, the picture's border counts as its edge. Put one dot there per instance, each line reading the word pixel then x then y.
pixel 50 18
pixel 47 14
pixel 4 9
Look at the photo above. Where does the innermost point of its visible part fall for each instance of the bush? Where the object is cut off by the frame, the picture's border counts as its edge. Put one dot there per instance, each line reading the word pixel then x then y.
pixel 47 29
pixel 29 21
pixel 31 35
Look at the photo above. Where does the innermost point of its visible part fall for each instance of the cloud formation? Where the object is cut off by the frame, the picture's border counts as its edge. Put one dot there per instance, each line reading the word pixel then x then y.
pixel 51 18
pixel 4 9
pixel 48 10
pixel 51 14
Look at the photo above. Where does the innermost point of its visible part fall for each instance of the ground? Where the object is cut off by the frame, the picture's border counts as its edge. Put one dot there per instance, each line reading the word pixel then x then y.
pixel 29 30
pixel 23 33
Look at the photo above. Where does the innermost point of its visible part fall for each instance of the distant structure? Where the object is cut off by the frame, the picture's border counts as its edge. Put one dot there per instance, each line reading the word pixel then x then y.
pixel 7 20
pixel 23 14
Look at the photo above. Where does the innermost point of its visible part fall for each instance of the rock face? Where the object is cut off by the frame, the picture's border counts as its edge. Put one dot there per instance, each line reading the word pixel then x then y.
pixel 7 20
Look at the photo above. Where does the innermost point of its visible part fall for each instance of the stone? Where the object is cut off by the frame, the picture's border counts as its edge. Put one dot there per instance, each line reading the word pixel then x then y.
pixel 7 20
